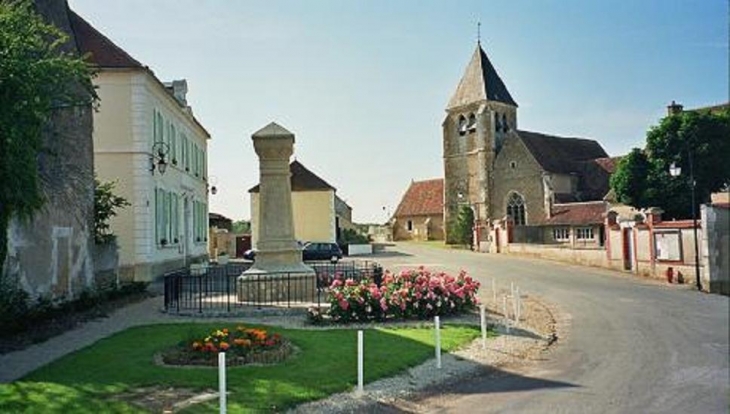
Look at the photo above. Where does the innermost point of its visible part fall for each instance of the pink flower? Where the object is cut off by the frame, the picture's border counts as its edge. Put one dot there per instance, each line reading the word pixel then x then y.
pixel 344 304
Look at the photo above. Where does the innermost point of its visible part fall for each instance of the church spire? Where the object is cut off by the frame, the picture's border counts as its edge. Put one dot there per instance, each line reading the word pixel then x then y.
pixel 480 81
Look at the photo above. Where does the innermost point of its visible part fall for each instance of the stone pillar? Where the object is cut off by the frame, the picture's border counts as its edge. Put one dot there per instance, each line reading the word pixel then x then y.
pixel 278 254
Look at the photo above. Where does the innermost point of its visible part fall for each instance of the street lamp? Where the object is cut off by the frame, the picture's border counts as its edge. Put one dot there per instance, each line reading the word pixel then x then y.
pixel 676 171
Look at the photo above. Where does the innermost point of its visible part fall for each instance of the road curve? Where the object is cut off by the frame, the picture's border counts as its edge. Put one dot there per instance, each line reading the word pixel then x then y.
pixel 634 346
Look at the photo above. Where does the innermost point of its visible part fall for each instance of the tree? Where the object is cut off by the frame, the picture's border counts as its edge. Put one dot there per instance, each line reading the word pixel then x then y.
pixel 36 78
pixel 642 179
pixel 241 227
pixel 106 204
pixel 465 226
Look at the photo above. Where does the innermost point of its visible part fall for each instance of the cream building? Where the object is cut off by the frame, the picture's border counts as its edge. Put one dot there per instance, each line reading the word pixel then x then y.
pixel 315 208
pixel 147 139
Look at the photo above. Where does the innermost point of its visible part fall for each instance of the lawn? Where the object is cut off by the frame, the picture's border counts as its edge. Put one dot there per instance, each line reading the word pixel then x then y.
pixel 88 381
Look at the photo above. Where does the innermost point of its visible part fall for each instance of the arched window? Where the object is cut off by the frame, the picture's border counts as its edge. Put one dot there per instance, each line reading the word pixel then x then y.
pixel 497 123
pixel 516 209
pixel 505 125
pixel 462 125
pixel 472 126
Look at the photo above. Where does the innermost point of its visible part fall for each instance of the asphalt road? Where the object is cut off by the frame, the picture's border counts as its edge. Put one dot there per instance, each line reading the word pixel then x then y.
pixel 633 346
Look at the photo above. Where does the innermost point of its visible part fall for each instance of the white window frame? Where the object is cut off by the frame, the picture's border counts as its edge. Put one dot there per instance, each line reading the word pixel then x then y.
pixel 584 233
pixel 561 234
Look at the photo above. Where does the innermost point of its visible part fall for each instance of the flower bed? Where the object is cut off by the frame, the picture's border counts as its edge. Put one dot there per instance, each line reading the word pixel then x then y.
pixel 242 346
pixel 415 293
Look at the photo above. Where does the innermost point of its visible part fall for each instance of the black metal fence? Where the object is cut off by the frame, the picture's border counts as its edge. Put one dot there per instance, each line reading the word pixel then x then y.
pixel 222 289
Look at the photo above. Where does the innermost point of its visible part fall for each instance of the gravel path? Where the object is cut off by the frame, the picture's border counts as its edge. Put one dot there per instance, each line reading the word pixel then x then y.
pixel 540 325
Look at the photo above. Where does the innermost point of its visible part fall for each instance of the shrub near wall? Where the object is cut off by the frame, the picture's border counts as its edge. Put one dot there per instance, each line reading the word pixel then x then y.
pixel 416 293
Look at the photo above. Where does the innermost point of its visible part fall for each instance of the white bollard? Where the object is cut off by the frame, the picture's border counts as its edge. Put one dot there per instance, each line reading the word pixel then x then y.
pixel 483 322
pixel 360 389
pixel 504 312
pixel 437 322
pixel 222 381
pixel 514 305
pixel 512 288
pixel 494 291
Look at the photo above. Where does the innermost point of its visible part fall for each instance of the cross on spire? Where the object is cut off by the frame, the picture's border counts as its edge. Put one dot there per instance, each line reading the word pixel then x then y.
pixel 479 32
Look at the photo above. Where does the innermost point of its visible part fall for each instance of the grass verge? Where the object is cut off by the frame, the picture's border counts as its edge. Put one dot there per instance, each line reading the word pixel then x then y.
pixel 90 380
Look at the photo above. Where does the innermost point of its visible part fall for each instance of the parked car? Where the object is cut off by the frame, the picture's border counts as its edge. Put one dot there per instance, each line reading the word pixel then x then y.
pixel 250 254
pixel 321 251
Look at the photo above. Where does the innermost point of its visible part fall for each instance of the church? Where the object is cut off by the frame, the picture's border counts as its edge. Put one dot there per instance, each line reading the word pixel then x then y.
pixel 505 173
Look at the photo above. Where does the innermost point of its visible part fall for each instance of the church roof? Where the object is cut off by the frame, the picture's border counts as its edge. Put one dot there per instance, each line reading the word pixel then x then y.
pixel 480 82
pixel 559 154
pixel 102 51
pixel 302 180
pixel 423 198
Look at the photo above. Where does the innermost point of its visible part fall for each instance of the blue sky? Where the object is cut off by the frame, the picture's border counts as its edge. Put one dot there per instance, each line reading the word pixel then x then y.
pixel 364 84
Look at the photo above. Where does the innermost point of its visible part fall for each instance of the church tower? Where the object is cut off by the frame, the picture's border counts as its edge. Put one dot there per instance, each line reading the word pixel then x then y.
pixel 478 117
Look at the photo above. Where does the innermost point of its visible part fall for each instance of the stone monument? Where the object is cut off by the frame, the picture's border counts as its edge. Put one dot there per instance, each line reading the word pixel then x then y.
pixel 279 257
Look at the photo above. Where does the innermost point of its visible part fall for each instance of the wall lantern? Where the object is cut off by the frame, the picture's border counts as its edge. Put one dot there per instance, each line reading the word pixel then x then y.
pixel 158 157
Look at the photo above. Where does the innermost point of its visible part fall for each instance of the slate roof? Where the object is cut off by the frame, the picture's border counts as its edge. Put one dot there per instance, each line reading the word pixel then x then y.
pixel 480 82
pixel 576 214
pixel 423 198
pixel 560 154
pixel 102 51
pixel 302 180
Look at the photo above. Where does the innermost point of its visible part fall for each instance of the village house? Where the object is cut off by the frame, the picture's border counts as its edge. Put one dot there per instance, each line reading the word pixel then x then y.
pixel 420 213
pixel 319 214
pixel 148 140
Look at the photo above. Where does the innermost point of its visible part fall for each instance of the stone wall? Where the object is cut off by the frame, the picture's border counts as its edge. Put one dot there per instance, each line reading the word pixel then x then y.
pixel 586 257
pixel 52 256
pixel 518 171
pixel 422 228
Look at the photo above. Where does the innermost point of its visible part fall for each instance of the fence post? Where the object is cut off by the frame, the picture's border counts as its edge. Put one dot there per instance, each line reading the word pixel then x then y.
pixel 483 323
pixel 360 367
pixel 222 381
pixel 437 322
pixel 228 290
pixel 200 293
pixel 506 314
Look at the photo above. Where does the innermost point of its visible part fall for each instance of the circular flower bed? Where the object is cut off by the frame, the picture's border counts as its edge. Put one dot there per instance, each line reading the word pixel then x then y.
pixel 242 346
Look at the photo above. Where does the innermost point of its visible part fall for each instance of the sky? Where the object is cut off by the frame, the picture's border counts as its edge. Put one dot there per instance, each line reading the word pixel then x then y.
pixel 364 84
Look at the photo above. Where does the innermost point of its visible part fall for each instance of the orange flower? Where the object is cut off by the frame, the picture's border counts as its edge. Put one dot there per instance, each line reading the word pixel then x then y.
pixel 224 346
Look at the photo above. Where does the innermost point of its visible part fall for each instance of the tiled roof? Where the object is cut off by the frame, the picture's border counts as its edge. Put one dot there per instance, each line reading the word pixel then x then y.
pixel 480 82
pixel 102 51
pixel 575 214
pixel 677 224
pixel 608 163
pixel 559 154
pixel 302 180
pixel 422 198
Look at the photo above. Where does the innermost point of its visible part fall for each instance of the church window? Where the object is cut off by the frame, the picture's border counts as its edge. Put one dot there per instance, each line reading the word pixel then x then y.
pixel 409 225
pixel 516 209
pixel 462 125
pixel 505 125
pixel 472 126
pixel 497 123
pixel 513 164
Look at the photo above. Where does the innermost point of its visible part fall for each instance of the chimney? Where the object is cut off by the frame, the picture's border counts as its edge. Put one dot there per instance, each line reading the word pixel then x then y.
pixel 179 90
pixel 674 109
